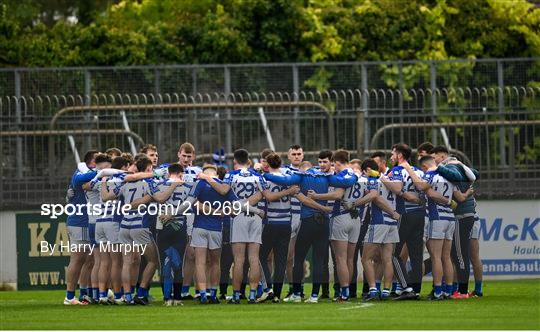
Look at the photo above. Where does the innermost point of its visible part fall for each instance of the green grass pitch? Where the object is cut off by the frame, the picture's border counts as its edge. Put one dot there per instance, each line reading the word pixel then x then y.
pixel 507 305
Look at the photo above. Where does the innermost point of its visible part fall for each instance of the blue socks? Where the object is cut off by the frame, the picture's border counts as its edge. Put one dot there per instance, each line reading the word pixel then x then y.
pixel 95 293
pixel 236 295
pixel 345 292
pixel 252 294
pixel 378 285
pixel 204 298
pixel 70 295
pixel 478 287
pixel 128 297
pixel 83 292
pixel 118 296
pixel 373 292
pixel 102 294
pixel 437 290
pixel 142 292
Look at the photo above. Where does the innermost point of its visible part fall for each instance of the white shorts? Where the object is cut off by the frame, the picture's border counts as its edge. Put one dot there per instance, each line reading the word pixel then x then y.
pixel 78 235
pixel 139 236
pixel 345 228
pixel 475 231
pixel 245 229
pixel 439 229
pixel 382 233
pixel 295 224
pixel 107 231
pixel 203 238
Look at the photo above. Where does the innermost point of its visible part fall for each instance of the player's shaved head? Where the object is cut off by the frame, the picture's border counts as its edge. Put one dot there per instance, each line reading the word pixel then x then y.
pixel 103 158
pixel 427 161
pixel 241 156
pixel 175 168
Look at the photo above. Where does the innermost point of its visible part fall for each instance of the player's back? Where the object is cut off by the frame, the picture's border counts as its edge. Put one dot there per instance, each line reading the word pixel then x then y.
pixel 132 191
pixel 178 196
pixel 350 195
pixel 190 174
pixel 404 206
pixel 209 197
pixel 378 216
pixel 279 211
pixel 245 182
pixel 437 211
pixel 79 197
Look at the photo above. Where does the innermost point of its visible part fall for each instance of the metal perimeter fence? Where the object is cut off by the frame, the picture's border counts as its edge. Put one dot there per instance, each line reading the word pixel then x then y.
pixel 486 111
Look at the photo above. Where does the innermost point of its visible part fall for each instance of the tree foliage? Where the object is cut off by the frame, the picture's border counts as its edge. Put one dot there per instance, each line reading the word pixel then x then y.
pixel 76 33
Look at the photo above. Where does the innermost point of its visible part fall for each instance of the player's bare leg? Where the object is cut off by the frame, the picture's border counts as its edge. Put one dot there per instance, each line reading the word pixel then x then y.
pixel 116 271
pixel 214 272
pixel 188 269
pixel 369 254
pixel 435 247
pixel 76 262
pixel 239 251
pixel 104 273
pixel 127 263
pixel 254 266
pixel 94 276
pixel 342 267
pixel 200 271
pixel 85 277
pixel 448 265
pixel 387 253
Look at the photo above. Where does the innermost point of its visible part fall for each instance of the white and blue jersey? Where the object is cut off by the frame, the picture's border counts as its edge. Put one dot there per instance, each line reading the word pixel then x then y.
pixel 436 211
pixel 278 212
pixel 205 194
pixel 132 191
pixel 79 198
pixel 378 216
pixel 314 180
pixel 190 174
pixel 351 194
pixel 245 182
pixel 399 173
pixel 178 196
pixel 296 206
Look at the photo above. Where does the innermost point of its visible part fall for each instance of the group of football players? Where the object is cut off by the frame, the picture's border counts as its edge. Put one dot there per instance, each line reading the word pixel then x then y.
pixel 258 222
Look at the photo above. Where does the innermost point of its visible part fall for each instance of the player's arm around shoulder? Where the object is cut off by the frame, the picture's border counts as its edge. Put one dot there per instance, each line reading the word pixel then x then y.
pixel 221 187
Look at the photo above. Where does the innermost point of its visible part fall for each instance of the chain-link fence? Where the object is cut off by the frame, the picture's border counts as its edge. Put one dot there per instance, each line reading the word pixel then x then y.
pixel 487 112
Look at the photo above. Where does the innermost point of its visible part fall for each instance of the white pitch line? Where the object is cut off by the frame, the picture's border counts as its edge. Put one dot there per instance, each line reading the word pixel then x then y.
pixel 361 306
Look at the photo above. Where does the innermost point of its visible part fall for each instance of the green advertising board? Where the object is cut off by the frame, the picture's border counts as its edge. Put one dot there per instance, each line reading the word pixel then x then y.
pixel 36 267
